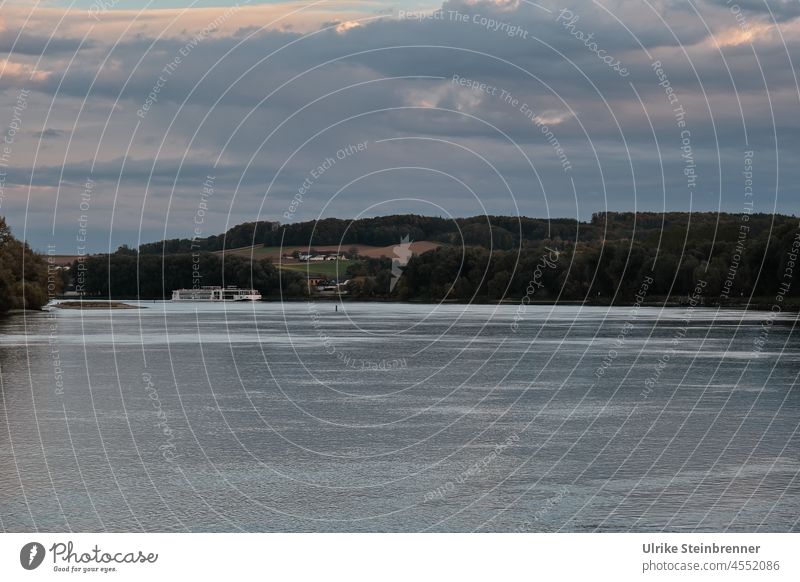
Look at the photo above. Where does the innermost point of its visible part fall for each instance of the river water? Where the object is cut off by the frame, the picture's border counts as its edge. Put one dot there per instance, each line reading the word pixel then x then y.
pixel 397 417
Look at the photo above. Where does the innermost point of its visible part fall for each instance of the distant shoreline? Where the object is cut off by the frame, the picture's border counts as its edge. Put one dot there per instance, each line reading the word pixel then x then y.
pixel 94 304
pixel 758 304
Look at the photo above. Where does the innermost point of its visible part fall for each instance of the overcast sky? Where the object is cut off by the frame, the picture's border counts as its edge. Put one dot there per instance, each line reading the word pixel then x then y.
pixel 115 115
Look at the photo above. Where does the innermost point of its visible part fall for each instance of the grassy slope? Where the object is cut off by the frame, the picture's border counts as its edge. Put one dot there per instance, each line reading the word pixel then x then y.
pixel 274 253
pixel 325 268
pixel 321 269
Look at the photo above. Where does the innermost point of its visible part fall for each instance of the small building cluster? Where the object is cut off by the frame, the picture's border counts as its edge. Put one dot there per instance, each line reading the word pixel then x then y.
pixel 325 286
pixel 315 257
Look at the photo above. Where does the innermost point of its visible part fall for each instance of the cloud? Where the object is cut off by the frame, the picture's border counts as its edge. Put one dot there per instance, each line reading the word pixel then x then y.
pixel 268 94
pixel 343 27
pixel 15 74
pixel 106 26
pixel 780 10
pixel 737 36
pixel 26 44
pixel 49 133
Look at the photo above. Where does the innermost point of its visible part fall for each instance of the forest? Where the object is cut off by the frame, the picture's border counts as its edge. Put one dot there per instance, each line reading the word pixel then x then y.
pixel 128 275
pixel 23 274
pixel 495 232
pixel 492 258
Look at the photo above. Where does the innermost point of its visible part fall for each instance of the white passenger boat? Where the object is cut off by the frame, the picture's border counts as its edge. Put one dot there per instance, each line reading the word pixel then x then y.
pixel 216 294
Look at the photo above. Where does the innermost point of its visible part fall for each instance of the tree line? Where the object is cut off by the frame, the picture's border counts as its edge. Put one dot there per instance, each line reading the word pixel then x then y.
pixel 128 275
pixel 23 274
pixel 242 235
pixel 605 259
pixel 495 232
pixel 734 257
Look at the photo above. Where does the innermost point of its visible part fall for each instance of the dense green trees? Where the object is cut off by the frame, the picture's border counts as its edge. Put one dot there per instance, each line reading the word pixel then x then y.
pixel 481 259
pixel 604 260
pixel 670 232
pixel 123 275
pixel 242 235
pixel 23 274
pixel 489 258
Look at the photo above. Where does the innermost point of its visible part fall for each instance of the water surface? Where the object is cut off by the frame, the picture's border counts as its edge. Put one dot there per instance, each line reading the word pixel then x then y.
pixel 396 417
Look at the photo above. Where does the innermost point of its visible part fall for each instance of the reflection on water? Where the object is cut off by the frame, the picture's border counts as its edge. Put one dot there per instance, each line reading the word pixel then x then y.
pixel 388 417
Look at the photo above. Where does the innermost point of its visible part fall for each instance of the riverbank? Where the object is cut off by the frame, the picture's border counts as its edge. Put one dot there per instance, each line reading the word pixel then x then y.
pixel 94 305
pixel 789 305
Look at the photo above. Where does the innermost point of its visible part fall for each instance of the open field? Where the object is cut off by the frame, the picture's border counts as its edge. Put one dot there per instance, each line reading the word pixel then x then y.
pixel 274 253
pixel 319 269
pixel 62 260
pixel 322 268
pixel 417 248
